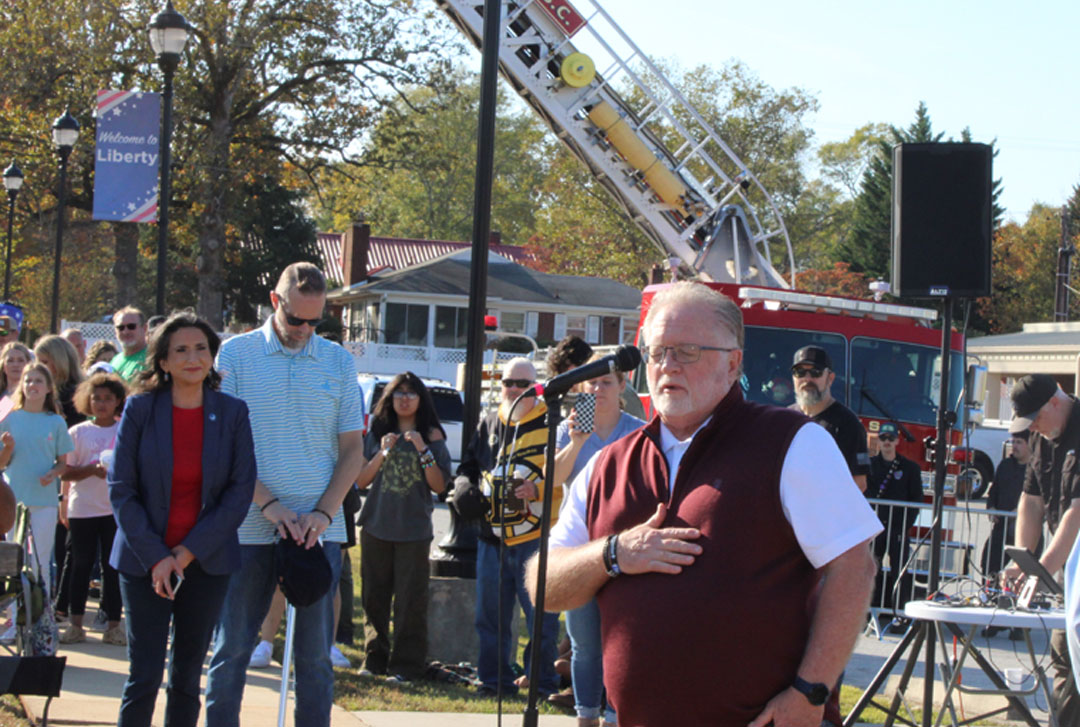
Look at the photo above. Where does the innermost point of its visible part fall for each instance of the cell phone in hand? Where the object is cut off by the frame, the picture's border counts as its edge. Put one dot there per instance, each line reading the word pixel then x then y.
pixel 585 412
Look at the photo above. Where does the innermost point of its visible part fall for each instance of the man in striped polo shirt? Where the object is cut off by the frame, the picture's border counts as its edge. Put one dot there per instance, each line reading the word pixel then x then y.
pixel 306 419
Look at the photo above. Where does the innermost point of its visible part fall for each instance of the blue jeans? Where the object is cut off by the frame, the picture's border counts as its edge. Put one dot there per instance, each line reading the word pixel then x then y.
pixel 250 590
pixel 587 662
pixel 488 588
pixel 193 614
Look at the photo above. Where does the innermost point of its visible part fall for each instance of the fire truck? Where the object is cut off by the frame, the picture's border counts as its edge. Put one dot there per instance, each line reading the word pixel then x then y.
pixel 710 217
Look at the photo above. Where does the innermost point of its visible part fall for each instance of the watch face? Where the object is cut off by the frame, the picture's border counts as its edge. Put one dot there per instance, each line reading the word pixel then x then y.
pixel 818 694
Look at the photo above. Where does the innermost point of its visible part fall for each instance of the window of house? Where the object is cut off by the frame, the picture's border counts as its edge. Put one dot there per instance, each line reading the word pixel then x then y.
pixel 512 322
pixel 451 326
pixel 575 326
pixel 406 324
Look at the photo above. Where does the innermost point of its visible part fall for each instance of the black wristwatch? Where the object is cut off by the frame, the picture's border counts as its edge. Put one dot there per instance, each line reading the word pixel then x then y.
pixel 815 693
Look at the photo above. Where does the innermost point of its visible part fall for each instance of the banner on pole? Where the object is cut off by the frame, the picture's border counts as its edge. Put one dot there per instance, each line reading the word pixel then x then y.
pixel 127 154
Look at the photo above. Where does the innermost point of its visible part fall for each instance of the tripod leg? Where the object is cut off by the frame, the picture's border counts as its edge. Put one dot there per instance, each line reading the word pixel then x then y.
pixel 918 634
pixel 914 633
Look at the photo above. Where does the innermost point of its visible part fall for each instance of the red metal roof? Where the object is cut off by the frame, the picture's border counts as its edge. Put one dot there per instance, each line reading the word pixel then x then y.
pixel 398 253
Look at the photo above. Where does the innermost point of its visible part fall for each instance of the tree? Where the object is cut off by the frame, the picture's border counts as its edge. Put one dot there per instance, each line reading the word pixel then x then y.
pixel 1024 272
pixel 868 247
pixel 420 168
pixel 837 280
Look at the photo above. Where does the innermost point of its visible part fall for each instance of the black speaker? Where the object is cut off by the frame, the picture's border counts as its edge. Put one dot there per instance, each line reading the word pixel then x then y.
pixel 941 220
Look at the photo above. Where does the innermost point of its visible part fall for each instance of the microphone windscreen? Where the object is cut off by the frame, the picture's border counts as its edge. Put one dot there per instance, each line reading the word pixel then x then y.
pixel 627 358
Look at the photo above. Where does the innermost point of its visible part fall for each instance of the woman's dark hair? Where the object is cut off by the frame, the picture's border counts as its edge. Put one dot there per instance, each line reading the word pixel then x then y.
pixel 100 380
pixel 153 378
pixel 570 353
pixel 384 419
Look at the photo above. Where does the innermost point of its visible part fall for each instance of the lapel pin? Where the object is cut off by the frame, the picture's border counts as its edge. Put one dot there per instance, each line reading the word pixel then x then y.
pixel 213 417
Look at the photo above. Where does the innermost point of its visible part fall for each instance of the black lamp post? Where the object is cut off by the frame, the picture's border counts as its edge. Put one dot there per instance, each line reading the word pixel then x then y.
pixel 168 36
pixel 65 132
pixel 13 181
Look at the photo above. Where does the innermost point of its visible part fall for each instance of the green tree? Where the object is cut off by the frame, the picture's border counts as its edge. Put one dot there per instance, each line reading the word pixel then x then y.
pixel 420 164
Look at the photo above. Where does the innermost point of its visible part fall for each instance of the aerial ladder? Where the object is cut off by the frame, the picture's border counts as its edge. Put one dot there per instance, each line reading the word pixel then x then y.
pixel 639 137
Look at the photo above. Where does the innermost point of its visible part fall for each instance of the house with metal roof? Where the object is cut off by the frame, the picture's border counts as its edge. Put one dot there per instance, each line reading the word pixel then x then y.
pixel 415 317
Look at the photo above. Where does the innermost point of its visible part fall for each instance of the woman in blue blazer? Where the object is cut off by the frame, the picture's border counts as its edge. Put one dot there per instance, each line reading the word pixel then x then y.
pixel 181 482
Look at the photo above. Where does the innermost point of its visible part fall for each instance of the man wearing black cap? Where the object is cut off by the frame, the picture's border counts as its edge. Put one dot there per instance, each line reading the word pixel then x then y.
pixel 1051 491
pixel 813 376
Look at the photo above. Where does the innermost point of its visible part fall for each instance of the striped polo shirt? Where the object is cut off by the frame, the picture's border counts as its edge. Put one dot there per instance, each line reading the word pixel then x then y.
pixel 299 403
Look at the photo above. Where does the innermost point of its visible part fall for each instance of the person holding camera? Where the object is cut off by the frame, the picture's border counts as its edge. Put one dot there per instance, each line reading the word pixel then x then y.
pixel 501 479
pixel 407 460
pixel 596 421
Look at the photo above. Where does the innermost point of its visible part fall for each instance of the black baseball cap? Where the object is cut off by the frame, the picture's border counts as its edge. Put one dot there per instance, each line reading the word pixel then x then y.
pixel 1029 395
pixel 816 356
pixel 303 574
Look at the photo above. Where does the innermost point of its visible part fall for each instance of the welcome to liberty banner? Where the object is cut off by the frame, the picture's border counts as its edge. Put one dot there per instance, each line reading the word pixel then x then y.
pixel 126 156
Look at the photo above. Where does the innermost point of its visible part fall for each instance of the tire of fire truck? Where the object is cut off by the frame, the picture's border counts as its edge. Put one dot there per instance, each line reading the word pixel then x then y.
pixel 978 475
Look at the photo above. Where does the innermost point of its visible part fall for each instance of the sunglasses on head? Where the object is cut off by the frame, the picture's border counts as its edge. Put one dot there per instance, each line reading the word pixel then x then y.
pixel 4 331
pixel 887 438
pixel 126 326
pixel 517 383
pixel 812 373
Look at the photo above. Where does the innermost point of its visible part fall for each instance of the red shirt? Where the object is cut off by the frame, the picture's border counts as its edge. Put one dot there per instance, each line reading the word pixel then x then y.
pixel 185 500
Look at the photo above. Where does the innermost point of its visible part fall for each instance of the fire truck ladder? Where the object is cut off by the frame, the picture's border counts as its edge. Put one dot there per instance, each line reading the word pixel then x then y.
pixel 663 163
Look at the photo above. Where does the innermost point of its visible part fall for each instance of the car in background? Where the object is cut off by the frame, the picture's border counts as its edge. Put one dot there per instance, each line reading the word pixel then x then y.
pixel 449 405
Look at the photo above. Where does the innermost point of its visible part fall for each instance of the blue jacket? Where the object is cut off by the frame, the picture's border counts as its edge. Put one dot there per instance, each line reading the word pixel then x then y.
pixel 140 483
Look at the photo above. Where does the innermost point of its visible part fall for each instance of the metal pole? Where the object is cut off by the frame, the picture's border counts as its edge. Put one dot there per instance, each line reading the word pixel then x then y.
pixel 7 258
pixel 168 63
pixel 478 270
pixel 54 325
pixel 941 453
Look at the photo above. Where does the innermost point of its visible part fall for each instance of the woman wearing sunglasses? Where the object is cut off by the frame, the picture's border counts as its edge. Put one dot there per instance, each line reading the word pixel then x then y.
pixel 406 460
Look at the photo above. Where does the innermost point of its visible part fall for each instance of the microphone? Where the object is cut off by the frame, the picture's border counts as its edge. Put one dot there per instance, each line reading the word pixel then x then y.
pixel 625 358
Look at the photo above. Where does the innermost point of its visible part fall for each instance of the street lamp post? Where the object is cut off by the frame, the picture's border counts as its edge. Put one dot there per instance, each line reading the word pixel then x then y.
pixel 13 181
pixel 168 36
pixel 65 132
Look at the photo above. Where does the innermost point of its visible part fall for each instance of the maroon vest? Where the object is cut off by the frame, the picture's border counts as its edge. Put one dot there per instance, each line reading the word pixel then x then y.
pixel 711 645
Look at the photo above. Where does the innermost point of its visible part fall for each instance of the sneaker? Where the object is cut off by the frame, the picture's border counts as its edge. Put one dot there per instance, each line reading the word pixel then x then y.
pixel 338 659
pixel 366 673
pixel 260 658
pixel 117 636
pixel 396 679
pixel 61 617
pixel 8 637
pixel 73 634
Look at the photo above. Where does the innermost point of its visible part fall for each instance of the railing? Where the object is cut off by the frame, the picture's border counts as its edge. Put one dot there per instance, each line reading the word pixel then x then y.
pixel 972 552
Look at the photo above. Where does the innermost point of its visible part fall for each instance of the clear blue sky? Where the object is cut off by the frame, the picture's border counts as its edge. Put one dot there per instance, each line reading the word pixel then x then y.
pixel 1008 71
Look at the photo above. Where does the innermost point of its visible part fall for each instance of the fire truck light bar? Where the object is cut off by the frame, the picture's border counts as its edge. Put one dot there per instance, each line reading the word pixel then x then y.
pixel 832 303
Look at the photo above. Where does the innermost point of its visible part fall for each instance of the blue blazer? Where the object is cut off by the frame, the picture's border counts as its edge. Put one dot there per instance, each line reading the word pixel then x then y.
pixel 140 483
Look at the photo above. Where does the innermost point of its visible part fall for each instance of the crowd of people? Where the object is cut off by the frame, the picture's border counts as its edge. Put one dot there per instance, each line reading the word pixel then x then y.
pixel 206 486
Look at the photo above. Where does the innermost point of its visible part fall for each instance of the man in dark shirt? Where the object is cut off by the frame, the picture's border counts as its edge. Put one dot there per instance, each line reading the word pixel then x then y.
pixel 1051 492
pixel 1004 495
pixel 813 377
pixel 893 477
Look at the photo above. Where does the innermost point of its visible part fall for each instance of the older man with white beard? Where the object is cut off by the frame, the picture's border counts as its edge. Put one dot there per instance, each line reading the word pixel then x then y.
pixel 813 376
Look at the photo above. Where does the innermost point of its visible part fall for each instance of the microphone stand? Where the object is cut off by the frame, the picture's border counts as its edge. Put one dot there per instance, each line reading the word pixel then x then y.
pixel 554 416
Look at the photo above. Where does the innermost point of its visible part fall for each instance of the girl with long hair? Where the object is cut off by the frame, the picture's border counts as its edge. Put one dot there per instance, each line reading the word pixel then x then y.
pixel 85 508
pixel 180 484
pixel 13 359
pixel 406 460
pixel 35 441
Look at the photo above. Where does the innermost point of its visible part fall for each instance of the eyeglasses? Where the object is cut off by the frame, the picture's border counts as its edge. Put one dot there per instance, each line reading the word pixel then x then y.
pixel 126 326
pixel 683 353
pixel 295 321
pixel 886 438
pixel 812 373
pixel 517 383
pixel 399 394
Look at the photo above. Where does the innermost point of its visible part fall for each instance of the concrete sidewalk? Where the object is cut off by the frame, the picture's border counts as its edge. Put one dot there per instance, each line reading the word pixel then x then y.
pixel 95 674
